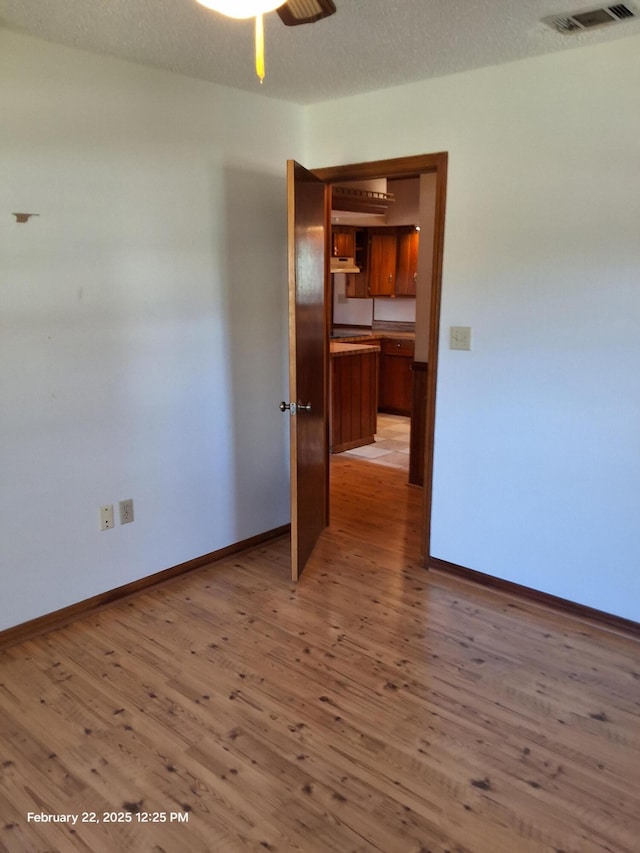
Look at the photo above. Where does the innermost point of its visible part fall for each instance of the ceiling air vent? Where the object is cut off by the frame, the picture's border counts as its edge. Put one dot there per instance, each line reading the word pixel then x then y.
pixel 621 11
pixel 592 18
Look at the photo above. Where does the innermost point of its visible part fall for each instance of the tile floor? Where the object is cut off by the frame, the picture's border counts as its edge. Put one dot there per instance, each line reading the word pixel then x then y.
pixel 391 446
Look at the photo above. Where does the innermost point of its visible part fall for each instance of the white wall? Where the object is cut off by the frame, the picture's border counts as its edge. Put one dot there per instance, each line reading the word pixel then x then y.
pixel 143 320
pixel 537 461
pixel 406 208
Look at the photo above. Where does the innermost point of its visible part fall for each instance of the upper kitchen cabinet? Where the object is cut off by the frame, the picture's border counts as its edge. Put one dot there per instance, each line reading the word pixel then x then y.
pixel 349 241
pixel 393 261
pixel 407 271
pixel 358 283
pixel 343 241
pixel 383 255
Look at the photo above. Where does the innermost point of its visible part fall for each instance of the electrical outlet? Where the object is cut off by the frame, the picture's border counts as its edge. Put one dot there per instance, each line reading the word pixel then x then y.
pixel 126 511
pixel 460 337
pixel 106 517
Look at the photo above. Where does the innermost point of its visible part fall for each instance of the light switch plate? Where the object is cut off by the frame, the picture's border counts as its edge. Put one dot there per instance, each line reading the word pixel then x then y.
pixel 460 337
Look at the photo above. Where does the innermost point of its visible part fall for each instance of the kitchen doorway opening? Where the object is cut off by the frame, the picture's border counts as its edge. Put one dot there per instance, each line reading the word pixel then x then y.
pixel 431 170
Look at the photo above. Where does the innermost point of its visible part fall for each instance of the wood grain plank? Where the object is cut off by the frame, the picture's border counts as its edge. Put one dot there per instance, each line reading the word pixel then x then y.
pixel 373 706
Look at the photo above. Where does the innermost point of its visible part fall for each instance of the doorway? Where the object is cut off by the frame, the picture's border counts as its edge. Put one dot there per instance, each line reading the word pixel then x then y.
pixel 427 305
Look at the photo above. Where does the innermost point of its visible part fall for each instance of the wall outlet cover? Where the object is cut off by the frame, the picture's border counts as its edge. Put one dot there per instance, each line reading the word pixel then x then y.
pixel 106 517
pixel 126 511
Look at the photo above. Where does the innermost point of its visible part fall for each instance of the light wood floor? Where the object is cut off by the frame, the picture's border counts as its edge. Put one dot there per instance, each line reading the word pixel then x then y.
pixel 373 707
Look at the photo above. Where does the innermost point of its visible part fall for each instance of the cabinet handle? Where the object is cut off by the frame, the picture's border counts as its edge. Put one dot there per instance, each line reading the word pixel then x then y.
pixel 390 278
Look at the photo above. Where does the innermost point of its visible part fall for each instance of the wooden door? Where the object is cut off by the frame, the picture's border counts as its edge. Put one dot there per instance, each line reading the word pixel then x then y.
pixel 308 222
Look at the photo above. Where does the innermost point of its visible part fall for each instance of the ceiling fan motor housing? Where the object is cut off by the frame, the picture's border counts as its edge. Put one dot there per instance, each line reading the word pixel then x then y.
pixel 296 12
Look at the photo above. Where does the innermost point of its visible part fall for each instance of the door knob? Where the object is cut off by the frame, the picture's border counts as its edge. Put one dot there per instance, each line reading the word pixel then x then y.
pixel 294 407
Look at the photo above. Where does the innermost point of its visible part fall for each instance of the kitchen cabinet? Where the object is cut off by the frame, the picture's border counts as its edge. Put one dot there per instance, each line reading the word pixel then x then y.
pixel 393 261
pixel 387 257
pixel 357 285
pixel 354 395
pixel 383 252
pixel 358 282
pixel 407 267
pixel 343 241
pixel 395 390
pixel 348 241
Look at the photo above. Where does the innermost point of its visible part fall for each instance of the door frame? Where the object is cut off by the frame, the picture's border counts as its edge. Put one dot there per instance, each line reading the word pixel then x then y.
pixel 410 167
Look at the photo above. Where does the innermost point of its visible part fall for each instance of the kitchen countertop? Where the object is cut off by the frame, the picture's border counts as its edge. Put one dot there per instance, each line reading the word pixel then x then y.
pixel 354 336
pixel 338 348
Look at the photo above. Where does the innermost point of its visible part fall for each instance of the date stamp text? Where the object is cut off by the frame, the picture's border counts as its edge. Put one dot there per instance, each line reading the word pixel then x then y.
pixel 109 817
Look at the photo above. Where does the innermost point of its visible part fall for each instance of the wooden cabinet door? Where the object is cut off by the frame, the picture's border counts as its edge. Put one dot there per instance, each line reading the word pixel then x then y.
pixel 387 258
pixel 407 273
pixel 396 380
pixel 343 241
pixel 382 263
pixel 358 283
pixel 356 287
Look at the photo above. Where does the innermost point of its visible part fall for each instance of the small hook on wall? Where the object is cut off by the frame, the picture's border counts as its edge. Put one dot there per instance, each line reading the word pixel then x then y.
pixel 24 217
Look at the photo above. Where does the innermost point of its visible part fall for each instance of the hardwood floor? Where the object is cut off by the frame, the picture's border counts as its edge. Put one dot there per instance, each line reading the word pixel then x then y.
pixel 373 707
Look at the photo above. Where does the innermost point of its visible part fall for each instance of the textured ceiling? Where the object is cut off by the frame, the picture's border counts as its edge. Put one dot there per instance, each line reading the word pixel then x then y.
pixel 367 45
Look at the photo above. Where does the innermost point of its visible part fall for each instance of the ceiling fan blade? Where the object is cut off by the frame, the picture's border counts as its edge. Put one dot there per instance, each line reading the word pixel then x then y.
pixel 296 12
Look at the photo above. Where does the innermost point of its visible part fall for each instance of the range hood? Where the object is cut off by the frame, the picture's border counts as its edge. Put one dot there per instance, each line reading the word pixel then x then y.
pixel 343 265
